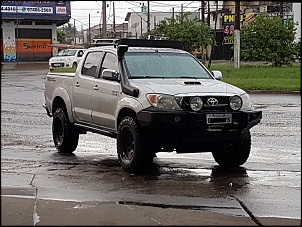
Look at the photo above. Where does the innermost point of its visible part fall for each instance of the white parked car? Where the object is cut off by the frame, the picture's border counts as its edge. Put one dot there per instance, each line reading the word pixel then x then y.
pixel 68 58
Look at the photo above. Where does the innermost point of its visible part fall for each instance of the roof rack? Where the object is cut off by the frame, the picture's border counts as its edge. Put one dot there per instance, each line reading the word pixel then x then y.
pixel 150 43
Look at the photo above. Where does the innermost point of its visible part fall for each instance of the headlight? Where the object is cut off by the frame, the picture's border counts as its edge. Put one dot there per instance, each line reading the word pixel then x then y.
pixel 66 59
pixel 196 103
pixel 167 102
pixel 235 102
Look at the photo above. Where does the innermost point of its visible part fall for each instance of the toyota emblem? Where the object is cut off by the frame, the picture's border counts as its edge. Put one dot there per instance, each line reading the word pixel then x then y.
pixel 212 101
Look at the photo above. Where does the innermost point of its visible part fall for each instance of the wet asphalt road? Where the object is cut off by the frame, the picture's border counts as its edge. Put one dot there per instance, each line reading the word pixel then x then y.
pixel 267 185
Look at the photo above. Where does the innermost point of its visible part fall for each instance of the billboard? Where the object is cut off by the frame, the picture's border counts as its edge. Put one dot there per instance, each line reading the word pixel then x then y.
pixel 228 24
pixel 36 10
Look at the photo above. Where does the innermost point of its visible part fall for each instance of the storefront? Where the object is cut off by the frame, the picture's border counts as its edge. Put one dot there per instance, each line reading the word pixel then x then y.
pixel 28 28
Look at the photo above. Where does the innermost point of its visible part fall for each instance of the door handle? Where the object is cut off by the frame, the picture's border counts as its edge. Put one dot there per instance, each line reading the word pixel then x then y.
pixel 96 87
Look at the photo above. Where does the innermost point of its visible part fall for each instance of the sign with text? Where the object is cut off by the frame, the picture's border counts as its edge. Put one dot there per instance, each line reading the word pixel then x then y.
pixel 228 24
pixel 48 10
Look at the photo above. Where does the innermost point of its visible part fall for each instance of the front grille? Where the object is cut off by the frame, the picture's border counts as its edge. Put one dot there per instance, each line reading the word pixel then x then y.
pixel 222 106
pixel 57 65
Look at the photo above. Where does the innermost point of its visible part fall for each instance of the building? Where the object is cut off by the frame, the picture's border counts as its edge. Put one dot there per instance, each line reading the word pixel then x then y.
pixel 297 19
pixel 223 24
pixel 95 32
pixel 135 25
pixel 138 21
pixel 28 29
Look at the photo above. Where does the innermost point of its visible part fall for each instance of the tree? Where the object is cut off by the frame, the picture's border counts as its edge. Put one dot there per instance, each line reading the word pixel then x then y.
pixel 61 36
pixel 269 39
pixel 70 32
pixel 193 34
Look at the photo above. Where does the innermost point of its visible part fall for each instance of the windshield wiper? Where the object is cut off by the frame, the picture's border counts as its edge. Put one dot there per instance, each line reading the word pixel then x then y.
pixel 141 77
pixel 189 77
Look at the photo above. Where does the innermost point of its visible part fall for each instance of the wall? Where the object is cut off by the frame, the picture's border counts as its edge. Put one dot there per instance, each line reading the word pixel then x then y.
pixel 297 19
pixel 28 28
pixel 30 43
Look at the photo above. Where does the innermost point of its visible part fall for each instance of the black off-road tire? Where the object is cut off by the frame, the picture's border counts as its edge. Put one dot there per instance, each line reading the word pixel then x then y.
pixel 135 153
pixel 65 135
pixel 234 154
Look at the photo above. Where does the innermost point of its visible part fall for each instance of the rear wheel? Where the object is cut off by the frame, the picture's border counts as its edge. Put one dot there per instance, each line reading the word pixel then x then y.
pixel 133 149
pixel 235 153
pixel 65 135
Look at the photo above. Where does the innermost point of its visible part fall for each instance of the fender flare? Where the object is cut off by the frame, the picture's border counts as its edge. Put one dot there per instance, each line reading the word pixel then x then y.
pixel 63 94
pixel 124 104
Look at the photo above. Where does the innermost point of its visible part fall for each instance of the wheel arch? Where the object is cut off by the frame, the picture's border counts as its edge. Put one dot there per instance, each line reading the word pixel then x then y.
pixel 125 112
pixel 62 100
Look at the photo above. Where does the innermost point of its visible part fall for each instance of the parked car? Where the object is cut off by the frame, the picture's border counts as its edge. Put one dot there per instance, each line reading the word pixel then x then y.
pixel 68 58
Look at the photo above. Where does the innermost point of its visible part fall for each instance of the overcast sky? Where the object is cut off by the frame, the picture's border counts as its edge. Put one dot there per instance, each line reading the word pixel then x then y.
pixel 80 10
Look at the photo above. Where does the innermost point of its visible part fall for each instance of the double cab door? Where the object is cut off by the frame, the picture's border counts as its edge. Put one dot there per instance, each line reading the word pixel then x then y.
pixel 95 99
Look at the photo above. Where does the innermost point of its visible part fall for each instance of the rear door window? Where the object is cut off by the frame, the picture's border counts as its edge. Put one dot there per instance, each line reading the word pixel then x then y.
pixel 91 63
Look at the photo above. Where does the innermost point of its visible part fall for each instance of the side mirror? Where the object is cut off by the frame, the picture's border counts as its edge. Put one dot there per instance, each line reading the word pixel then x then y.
pixel 110 74
pixel 217 74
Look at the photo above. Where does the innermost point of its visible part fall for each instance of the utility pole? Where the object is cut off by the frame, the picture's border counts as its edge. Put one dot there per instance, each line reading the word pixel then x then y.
pixel 17 36
pixel 237 36
pixel 141 27
pixel 75 32
pixel 114 36
pixel 104 29
pixel 173 16
pixel 181 12
pixel 209 15
pixel 181 9
pixel 215 26
pixel 281 9
pixel 89 34
pixel 148 20
pixel 202 11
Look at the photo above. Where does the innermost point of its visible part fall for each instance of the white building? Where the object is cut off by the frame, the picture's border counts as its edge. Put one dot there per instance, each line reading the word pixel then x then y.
pixel 297 19
pixel 137 21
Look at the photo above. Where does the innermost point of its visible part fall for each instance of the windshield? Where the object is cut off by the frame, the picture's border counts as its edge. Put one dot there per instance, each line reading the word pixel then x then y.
pixel 164 65
pixel 67 53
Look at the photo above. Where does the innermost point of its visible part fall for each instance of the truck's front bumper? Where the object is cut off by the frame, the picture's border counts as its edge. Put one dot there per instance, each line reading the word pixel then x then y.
pixel 190 127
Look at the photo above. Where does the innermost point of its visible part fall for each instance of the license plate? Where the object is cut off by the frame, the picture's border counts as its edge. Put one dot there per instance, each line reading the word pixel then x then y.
pixel 219 118
pixel 57 64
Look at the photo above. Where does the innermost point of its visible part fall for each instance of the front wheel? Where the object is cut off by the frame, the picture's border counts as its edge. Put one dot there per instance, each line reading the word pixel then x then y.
pixel 133 149
pixel 65 135
pixel 233 154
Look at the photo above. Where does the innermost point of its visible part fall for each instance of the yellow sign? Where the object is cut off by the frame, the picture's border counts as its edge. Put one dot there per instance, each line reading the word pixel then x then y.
pixel 230 18
pixel 228 40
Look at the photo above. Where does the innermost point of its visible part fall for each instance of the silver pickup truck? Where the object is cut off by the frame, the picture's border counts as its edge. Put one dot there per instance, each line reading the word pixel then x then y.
pixel 151 96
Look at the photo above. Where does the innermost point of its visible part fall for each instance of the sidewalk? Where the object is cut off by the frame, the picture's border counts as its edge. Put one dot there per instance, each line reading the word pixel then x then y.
pixel 23 209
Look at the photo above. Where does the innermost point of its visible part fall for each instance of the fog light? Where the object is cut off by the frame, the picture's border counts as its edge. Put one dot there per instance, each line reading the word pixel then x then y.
pixel 196 103
pixel 235 102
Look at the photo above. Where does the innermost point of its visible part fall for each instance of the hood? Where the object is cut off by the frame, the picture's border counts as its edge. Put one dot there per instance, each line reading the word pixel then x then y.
pixel 187 86
pixel 58 58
